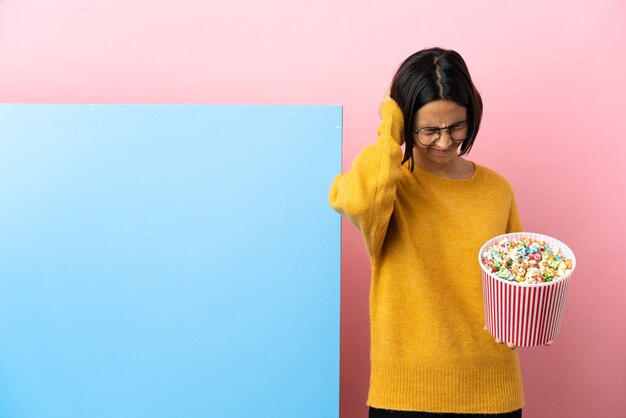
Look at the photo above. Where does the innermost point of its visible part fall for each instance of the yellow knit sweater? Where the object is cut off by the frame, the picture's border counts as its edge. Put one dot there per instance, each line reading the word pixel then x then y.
pixel 429 351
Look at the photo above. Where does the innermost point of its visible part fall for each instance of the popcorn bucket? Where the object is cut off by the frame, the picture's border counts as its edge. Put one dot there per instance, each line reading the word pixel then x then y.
pixel 521 313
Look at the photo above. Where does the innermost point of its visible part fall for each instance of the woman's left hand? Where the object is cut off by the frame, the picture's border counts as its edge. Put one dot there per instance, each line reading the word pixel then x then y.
pixel 510 345
pixel 513 346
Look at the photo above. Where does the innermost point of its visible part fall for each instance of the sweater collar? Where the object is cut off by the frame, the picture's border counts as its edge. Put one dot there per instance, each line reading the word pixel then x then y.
pixel 446 182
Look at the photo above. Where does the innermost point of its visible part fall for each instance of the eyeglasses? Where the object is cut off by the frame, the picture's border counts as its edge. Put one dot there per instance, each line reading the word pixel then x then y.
pixel 457 132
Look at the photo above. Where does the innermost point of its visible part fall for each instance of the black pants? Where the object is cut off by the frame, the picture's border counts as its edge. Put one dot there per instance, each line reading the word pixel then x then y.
pixel 383 413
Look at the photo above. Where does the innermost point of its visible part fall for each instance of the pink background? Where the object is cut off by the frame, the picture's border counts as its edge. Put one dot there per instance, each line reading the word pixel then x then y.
pixel 551 75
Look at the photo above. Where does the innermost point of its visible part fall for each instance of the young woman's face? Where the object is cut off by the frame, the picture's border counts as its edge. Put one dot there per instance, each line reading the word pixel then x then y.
pixel 439 114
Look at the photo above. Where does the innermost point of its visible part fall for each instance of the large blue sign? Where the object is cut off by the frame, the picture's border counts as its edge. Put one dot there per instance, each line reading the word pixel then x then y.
pixel 169 261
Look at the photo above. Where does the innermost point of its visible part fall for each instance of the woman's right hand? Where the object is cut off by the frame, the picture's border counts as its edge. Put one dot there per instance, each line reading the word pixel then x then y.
pixel 385 99
pixel 394 121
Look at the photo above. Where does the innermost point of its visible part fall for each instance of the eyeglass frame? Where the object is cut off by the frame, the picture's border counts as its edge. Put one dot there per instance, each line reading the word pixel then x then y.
pixel 447 128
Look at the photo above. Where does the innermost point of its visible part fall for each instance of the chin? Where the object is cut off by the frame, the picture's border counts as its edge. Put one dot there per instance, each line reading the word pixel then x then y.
pixel 442 157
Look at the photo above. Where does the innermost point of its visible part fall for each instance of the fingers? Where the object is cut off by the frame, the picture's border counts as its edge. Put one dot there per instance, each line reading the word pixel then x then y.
pixel 386 98
pixel 513 346
pixel 510 345
pixel 499 341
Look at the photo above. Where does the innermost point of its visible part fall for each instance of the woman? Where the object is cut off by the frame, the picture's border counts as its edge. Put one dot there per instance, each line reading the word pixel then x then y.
pixel 424 215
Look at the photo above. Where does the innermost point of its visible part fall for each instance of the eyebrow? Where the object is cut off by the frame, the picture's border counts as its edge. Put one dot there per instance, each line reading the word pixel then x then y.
pixel 433 126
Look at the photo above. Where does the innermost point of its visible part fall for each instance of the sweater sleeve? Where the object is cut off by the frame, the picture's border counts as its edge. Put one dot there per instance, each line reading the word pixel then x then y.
pixel 514 224
pixel 366 193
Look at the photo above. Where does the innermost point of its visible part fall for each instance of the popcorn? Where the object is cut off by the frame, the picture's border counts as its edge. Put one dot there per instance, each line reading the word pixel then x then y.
pixel 525 260
pixel 525 277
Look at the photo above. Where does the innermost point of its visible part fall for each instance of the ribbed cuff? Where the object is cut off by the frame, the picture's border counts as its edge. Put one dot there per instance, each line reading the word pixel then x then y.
pixel 412 388
pixel 392 121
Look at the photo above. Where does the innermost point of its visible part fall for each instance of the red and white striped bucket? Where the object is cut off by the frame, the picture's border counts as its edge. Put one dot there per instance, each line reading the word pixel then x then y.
pixel 524 314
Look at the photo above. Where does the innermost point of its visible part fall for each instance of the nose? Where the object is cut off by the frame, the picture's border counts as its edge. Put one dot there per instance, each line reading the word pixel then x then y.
pixel 444 143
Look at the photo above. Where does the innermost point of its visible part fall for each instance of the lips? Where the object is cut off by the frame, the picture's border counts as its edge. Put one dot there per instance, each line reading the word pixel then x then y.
pixel 440 153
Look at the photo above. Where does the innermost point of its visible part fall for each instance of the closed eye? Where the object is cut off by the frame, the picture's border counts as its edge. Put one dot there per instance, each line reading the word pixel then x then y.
pixel 430 130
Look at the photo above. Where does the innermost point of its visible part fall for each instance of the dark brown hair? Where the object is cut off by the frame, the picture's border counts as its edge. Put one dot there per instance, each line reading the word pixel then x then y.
pixel 434 74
